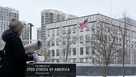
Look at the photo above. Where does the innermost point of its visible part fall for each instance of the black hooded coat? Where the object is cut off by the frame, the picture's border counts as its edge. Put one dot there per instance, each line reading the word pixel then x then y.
pixel 15 57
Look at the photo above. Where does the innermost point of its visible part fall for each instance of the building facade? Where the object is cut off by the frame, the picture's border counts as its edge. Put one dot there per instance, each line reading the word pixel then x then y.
pixel 69 16
pixel 66 41
pixel 5 15
pixel 26 35
pixel 39 33
pixel 49 16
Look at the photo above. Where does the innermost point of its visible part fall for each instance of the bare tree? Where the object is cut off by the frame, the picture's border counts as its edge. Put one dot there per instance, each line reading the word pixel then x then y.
pixel 65 44
pixel 105 45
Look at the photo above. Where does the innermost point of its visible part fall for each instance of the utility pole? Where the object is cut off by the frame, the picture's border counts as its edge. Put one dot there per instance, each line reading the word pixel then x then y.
pixel 124 44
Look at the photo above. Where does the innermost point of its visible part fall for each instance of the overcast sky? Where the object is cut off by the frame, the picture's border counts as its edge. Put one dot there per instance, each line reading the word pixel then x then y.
pixel 30 10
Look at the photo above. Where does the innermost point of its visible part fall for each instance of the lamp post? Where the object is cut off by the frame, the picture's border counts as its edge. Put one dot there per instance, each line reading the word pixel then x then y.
pixel 124 44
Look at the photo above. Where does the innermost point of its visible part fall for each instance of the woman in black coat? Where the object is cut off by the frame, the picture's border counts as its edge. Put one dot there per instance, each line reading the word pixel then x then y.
pixel 15 57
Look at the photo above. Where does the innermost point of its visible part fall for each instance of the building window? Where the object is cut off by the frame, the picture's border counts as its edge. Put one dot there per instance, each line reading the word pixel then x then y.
pixel 69 52
pixel 49 53
pixel 87 50
pixel 57 42
pixel 48 43
pixel 81 50
pixel 81 60
pixel 87 37
pixel 57 60
pixel 53 53
pixel 57 52
pixel 93 51
pixel 74 60
pixel 81 39
pixel 64 52
pixel 93 61
pixel 64 31
pixel 74 51
pixel 69 31
pixel 53 43
pixel 74 39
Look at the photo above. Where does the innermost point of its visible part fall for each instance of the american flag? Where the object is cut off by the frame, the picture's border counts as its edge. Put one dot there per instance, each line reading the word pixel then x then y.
pixel 84 25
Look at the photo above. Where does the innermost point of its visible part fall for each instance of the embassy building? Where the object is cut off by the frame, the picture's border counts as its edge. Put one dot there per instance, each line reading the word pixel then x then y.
pixel 66 42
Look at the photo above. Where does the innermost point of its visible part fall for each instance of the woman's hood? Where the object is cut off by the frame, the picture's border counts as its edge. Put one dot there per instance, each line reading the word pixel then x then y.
pixel 8 35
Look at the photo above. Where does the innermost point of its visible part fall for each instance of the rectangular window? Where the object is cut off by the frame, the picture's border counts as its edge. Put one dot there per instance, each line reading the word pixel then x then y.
pixel 81 50
pixel 74 51
pixel 53 43
pixel 88 38
pixel 74 60
pixel 93 51
pixel 64 31
pixel 57 60
pixel 81 60
pixel 53 32
pixel 53 53
pixel 81 39
pixel 49 52
pixel 48 43
pixel 69 31
pixel 87 50
pixel 57 52
pixel 74 39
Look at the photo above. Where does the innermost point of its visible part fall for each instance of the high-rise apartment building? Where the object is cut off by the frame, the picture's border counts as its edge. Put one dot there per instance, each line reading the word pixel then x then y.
pixel 5 15
pixel 26 35
pixel 49 16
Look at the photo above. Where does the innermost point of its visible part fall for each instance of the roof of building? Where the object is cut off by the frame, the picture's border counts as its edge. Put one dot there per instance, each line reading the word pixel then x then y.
pixel 52 11
pixel 9 9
